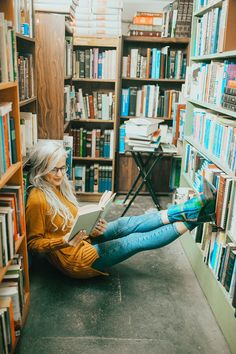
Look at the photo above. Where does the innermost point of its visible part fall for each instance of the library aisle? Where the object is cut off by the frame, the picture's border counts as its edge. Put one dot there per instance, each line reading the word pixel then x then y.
pixel 150 304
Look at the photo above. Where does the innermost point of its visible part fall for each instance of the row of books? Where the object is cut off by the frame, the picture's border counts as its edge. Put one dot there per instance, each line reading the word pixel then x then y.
pixel 207 82
pixel 148 101
pixel 11 304
pixel 97 105
pixel 29 131
pixel 95 178
pixel 23 11
pixel 8 153
pixel 220 256
pixel 196 166
pixel 98 18
pixel 25 76
pixel 154 63
pixel 11 221
pixel 94 63
pixel 216 134
pixel 177 19
pixel 146 24
pixel 8 64
pixel 92 143
pixel 210 31
pixel 200 4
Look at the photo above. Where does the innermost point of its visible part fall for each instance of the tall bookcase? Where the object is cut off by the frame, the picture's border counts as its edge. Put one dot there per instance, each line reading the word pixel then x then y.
pixel 92 85
pixel 125 162
pixel 215 292
pixel 9 92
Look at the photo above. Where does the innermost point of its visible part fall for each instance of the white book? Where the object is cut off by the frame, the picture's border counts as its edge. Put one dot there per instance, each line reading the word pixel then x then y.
pixel 142 126
pixel 8 212
pixel 89 215
pixel 5 107
pixel 138 103
pixel 27 118
pixel 133 62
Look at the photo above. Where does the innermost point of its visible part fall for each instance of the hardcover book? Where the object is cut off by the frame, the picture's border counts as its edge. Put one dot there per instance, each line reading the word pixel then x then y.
pixel 89 215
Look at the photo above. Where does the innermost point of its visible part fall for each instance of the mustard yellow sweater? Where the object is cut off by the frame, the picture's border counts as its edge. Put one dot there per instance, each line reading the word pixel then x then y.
pixel 43 238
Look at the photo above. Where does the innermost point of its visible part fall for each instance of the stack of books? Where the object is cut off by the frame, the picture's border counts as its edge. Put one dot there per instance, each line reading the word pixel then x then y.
pixel 142 134
pixel 58 6
pixel 229 96
pixel 146 24
pixel 100 18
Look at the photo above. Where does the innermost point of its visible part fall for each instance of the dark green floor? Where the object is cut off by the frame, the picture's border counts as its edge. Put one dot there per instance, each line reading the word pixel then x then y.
pixel 150 304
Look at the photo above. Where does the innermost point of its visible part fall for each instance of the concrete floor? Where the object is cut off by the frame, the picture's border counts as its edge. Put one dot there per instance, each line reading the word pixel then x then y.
pixel 150 304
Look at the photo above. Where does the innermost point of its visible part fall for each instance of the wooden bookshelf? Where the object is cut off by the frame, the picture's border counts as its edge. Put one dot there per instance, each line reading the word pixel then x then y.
pixel 9 92
pixel 125 162
pixel 90 85
pixel 214 291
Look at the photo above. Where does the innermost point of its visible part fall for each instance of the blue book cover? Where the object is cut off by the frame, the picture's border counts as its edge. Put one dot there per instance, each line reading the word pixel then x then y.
pixel 154 54
pixel 158 64
pixel 147 100
pixel 125 102
pixel 100 56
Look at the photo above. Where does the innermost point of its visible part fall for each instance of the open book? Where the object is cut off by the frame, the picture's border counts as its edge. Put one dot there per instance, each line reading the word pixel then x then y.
pixel 89 215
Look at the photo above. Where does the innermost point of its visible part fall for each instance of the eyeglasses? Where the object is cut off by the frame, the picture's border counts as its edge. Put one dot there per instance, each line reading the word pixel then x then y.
pixel 63 170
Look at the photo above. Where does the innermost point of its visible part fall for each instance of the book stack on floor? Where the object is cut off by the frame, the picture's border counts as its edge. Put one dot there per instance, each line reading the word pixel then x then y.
pixel 98 18
pixel 177 19
pixel 57 6
pixel 142 134
pixel 146 24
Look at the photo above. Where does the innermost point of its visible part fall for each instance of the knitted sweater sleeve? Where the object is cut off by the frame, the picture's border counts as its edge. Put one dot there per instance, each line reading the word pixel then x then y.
pixel 38 239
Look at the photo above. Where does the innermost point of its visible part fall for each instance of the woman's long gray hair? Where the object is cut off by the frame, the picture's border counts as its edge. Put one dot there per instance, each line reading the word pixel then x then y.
pixel 44 157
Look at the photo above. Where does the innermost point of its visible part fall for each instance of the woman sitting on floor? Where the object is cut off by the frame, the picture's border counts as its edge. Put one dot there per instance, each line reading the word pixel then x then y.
pixel 52 207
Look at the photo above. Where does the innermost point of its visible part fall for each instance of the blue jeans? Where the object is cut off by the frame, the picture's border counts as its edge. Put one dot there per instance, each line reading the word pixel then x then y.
pixel 127 236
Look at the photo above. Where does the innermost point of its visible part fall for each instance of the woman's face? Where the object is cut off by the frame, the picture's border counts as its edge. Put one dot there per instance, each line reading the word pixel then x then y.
pixel 56 176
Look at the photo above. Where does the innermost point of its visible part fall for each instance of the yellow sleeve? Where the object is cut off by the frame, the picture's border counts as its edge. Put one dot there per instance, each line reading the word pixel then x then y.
pixel 38 239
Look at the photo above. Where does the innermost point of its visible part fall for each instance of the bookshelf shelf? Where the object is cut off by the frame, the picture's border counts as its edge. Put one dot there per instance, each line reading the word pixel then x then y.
pixel 130 117
pixel 29 100
pixel 94 80
pixel 209 156
pixel 156 39
pixel 25 38
pixel 96 42
pixel 88 196
pixel 223 55
pixel 212 289
pixel 180 81
pixel 69 77
pixel 9 173
pixel 7 85
pixel 103 159
pixel 102 121
pixel 205 9
pixel 213 108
